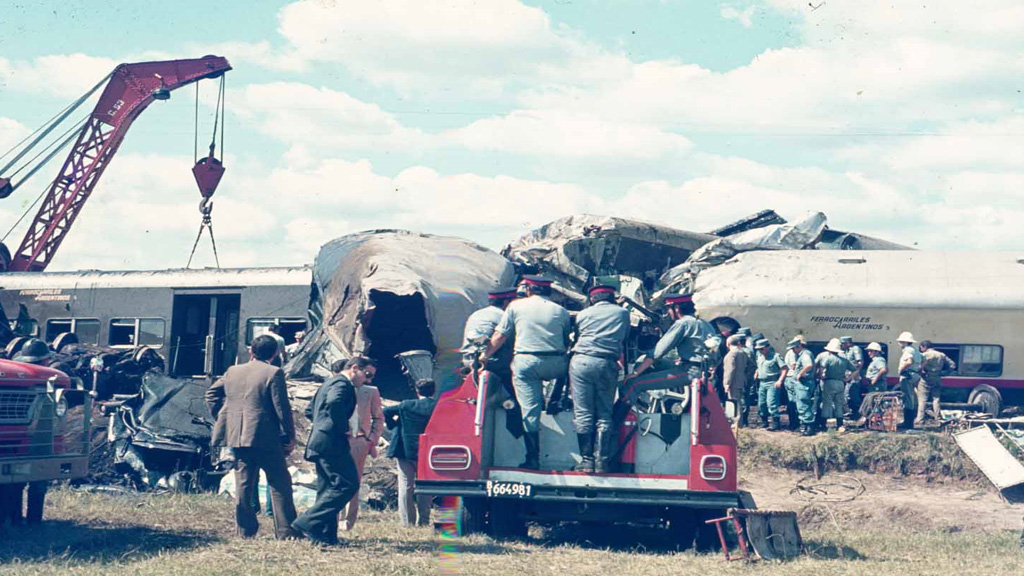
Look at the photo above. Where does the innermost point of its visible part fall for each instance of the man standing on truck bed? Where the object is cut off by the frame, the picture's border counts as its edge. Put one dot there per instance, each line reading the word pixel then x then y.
pixel 601 329
pixel 541 332
pixel 686 336
pixel 253 417
pixel 910 375
pixel 933 362
pixel 481 324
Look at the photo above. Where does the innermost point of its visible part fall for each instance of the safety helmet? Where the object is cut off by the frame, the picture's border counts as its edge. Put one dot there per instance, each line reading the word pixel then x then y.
pixel 834 346
pixel 906 337
pixel 875 346
pixel 33 351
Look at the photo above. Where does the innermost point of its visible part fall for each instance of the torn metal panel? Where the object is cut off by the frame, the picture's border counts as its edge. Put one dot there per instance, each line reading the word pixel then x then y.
pixel 756 220
pixel 998 465
pixel 575 248
pixel 797 236
pixel 384 292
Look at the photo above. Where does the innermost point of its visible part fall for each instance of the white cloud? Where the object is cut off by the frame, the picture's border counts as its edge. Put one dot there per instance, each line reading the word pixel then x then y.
pixel 61 75
pixel 744 17
pixel 11 132
pixel 299 113
pixel 551 133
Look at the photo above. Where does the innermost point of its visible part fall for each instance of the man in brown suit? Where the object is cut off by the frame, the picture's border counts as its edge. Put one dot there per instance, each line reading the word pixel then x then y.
pixel 734 375
pixel 254 418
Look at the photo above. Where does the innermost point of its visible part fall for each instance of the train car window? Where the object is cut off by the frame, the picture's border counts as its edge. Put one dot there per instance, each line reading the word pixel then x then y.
pixel 87 329
pixel 151 332
pixel 25 327
pixel 57 326
pixel 980 360
pixel 258 326
pixel 137 332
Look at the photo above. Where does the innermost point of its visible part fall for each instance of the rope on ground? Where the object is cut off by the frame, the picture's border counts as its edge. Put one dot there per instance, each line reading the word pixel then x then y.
pixel 836 489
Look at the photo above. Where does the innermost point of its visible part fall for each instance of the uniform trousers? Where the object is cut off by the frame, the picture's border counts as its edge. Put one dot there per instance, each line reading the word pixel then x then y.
pixel 928 390
pixel 593 382
pixel 337 481
pixel 528 375
pixel 832 392
pixel 806 393
pixel 768 399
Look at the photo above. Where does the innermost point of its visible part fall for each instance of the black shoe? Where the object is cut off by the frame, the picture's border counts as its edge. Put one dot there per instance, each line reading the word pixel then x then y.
pixel 313 538
pixel 774 426
pixel 532 441
pixel 807 430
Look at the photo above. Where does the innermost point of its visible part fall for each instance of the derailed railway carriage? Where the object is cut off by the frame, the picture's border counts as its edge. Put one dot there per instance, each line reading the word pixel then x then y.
pixel 201 321
pixel 970 305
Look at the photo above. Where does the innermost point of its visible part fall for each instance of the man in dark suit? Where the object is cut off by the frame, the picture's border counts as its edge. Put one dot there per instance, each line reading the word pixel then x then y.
pixel 254 418
pixel 337 479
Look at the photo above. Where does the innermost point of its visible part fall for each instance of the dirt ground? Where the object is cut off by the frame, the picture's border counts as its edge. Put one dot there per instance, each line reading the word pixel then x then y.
pixel 886 501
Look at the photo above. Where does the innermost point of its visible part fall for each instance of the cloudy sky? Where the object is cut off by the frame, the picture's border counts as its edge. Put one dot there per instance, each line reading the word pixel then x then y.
pixel 487 118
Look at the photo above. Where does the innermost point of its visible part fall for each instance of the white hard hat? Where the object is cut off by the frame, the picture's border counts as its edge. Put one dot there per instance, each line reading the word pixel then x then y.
pixel 875 346
pixel 906 337
pixel 834 346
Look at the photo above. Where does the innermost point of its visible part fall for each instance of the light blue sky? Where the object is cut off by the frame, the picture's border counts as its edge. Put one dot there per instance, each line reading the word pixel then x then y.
pixel 488 119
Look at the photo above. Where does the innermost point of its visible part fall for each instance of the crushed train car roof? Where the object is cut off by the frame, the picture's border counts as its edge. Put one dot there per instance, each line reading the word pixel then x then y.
pixel 388 291
pixel 584 245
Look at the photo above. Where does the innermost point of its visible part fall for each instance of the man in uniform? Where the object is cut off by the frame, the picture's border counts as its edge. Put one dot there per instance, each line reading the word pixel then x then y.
pixel 770 374
pixel 876 370
pixel 852 394
pixel 831 367
pixel 686 336
pixel 800 384
pixel 910 374
pixel 541 332
pixel 482 324
pixel 928 388
pixel 601 330
pixel 734 375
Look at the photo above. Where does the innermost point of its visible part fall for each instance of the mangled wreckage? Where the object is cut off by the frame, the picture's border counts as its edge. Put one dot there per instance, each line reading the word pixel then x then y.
pixel 384 292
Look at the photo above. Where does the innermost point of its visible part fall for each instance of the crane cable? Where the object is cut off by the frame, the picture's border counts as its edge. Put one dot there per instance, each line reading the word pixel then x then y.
pixel 206 205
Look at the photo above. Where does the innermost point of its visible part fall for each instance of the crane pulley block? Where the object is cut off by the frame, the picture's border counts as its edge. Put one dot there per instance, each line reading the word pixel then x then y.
pixel 208 171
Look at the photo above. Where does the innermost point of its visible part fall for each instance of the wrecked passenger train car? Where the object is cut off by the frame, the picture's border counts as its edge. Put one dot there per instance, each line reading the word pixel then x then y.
pixel 383 292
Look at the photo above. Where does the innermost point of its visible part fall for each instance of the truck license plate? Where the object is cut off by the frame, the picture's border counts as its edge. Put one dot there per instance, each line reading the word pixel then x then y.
pixel 509 489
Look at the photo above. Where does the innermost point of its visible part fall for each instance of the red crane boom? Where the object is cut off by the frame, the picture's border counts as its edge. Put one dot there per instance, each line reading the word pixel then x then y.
pixel 132 87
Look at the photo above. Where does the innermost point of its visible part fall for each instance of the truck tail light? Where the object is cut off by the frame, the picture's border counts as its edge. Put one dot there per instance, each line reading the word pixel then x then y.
pixel 450 458
pixel 712 467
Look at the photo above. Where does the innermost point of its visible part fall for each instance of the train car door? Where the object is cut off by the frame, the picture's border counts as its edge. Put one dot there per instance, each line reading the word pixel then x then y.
pixel 204 333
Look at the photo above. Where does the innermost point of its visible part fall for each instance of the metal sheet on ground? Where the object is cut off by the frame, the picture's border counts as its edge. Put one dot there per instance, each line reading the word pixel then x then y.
pixel 984 449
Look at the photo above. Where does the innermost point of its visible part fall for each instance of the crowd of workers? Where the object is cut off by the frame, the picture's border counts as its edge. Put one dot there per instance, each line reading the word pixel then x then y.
pixel 531 340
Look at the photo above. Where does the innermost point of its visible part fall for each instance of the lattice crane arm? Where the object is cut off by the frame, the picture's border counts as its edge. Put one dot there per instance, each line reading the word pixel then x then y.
pixel 131 88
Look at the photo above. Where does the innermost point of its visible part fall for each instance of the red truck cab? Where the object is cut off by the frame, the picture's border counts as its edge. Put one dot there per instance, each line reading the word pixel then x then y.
pixel 676 465
pixel 44 424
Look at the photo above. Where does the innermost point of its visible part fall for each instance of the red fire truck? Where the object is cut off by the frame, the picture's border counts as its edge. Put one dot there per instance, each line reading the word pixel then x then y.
pixel 676 461
pixel 44 427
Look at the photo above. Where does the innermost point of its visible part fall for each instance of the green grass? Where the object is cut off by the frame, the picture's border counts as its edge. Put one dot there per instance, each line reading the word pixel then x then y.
pixel 930 455
pixel 138 534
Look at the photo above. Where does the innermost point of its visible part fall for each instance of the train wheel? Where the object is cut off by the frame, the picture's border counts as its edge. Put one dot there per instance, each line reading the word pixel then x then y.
pixel 990 400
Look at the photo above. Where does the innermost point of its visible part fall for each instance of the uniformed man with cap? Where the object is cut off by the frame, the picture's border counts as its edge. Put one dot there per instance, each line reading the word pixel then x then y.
pixel 540 329
pixel 481 324
pixel 876 370
pixel 771 376
pixel 832 366
pixel 933 362
pixel 686 336
pixel 852 395
pixel 800 384
pixel 910 374
pixel 601 330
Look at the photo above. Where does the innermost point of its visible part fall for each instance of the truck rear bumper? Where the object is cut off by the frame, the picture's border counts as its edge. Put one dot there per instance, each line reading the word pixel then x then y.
pixel 13 471
pixel 587 495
